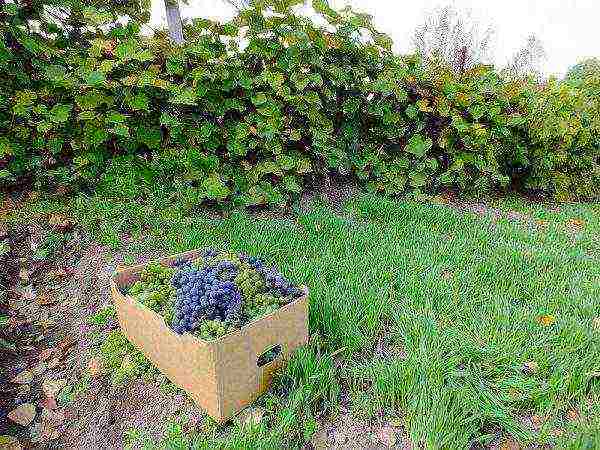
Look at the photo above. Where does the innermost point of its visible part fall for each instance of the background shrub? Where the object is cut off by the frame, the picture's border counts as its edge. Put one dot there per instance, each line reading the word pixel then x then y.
pixel 251 110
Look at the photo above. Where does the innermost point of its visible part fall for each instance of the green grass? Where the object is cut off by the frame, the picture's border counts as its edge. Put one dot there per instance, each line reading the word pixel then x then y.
pixel 432 312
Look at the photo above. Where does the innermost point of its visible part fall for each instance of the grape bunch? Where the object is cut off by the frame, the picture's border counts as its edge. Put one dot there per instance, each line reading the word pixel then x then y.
pixel 154 288
pixel 278 285
pixel 203 295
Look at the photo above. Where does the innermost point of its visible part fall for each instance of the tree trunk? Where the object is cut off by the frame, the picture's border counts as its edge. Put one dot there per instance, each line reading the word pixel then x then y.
pixel 174 21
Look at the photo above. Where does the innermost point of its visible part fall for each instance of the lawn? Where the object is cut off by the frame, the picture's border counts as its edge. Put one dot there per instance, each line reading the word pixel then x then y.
pixel 460 325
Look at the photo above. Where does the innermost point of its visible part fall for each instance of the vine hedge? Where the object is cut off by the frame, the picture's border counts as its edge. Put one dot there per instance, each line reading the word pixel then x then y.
pixel 250 111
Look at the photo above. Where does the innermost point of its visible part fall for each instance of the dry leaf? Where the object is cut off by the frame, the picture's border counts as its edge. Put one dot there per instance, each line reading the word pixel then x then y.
pixel 575 223
pixel 28 293
pixel 57 274
pixel 66 344
pixel 24 275
pixel 546 320
pixel 46 354
pixel 541 222
pixel 53 363
pixel 48 403
pixel 252 416
pixel 10 443
pixel 447 274
pixel 536 422
pixel 45 299
pixel 596 323
pixel 387 436
pixel 95 367
pixel 24 377
pixel 530 367
pixel 510 444
pixel 23 414
pixel 52 387
pixel 60 222
pixel 39 369
pixel 52 418
pixel 573 415
pixel 46 323
pixel 23 390
pixel 397 422
pixel 3 231
pixel 319 439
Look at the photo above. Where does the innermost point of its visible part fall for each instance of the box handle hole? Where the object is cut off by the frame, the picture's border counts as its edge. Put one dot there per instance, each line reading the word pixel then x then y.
pixel 269 355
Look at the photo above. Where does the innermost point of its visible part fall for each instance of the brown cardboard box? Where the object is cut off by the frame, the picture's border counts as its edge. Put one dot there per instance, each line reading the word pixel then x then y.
pixel 222 376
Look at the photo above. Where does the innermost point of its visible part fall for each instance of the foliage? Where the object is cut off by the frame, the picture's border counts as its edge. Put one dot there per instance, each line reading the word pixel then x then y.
pixel 250 111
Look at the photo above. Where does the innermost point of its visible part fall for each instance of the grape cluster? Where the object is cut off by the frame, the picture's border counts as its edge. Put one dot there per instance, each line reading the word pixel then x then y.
pixel 279 286
pixel 154 288
pixel 203 295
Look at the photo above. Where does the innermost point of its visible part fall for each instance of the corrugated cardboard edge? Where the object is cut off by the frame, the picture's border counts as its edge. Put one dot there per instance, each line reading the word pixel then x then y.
pixel 221 375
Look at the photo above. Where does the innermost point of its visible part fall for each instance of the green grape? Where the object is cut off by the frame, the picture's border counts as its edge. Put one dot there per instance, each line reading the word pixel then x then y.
pixel 212 329
pixel 154 289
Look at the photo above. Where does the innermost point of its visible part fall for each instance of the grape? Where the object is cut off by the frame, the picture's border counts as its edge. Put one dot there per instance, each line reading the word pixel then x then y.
pixel 154 288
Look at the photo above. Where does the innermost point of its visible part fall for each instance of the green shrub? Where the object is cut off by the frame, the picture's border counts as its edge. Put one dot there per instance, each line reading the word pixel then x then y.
pixel 250 111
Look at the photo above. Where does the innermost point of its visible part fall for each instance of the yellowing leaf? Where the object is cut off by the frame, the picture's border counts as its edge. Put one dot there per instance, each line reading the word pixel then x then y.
pixel 23 414
pixel 546 320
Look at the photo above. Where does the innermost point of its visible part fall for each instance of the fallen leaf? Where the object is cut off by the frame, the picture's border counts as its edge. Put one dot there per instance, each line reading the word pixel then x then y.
pixel 319 439
pixel 596 323
pixel 24 377
pixel 23 390
pixel 23 414
pixel 57 274
pixel 52 387
pixel 541 222
pixel 53 363
pixel 66 344
pixel 46 323
pixel 28 293
pixel 557 432
pixel 9 443
pixel 510 444
pixel 573 415
pixel 530 367
pixel 397 422
pixel 24 275
pixel 387 436
pixel 447 274
pixel 60 222
pixel 45 299
pixel 48 403
pixel 575 223
pixel 52 418
pixel 252 416
pixel 536 422
pixel 126 362
pixel 46 354
pixel 95 366
pixel 39 369
pixel 546 320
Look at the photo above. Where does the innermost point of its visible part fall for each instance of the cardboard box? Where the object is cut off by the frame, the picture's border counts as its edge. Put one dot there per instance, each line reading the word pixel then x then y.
pixel 223 375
